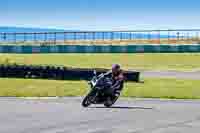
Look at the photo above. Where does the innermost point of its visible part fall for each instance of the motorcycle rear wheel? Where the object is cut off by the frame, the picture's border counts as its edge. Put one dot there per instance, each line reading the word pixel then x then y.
pixel 108 104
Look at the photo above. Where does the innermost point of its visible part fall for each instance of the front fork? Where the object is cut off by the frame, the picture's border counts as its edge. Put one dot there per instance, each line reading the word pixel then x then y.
pixel 93 95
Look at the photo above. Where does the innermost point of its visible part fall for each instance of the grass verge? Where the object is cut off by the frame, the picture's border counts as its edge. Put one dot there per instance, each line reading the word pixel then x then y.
pixel 151 88
pixel 147 61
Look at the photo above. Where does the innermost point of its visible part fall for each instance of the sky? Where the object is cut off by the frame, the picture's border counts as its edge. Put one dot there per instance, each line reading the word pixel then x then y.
pixel 101 14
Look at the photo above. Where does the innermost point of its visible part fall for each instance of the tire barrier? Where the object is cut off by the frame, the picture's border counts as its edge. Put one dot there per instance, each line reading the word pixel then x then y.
pixel 99 49
pixel 56 72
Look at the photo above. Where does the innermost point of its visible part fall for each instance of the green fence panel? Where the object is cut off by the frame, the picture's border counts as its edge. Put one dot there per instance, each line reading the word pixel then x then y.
pixel 100 49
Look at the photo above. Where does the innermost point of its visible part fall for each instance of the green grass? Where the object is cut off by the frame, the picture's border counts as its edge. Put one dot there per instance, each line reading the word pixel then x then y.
pixel 151 88
pixel 41 88
pixel 182 62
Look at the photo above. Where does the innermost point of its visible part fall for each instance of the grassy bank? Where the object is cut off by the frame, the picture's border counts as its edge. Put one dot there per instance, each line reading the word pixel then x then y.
pixel 151 88
pixel 183 61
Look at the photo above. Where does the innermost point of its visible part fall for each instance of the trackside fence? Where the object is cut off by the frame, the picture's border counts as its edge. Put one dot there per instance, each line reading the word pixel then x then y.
pixel 176 36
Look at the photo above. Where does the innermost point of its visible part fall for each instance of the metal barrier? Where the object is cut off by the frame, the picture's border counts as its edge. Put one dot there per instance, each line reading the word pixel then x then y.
pixel 177 36
pixel 100 49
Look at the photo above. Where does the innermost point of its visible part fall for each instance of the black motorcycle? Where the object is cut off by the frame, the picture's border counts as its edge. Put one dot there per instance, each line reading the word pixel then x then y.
pixel 98 93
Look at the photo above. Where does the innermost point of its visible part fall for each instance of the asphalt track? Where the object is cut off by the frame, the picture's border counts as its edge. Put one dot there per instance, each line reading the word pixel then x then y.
pixel 172 74
pixel 65 115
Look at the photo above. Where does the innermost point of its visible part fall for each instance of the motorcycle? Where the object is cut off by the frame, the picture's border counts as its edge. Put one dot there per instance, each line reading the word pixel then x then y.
pixel 98 94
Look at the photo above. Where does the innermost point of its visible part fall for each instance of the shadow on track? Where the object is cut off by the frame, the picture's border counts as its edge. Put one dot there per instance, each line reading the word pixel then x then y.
pixel 120 107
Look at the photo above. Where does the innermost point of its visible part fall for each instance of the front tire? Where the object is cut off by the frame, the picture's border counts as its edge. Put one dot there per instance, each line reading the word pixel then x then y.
pixel 87 100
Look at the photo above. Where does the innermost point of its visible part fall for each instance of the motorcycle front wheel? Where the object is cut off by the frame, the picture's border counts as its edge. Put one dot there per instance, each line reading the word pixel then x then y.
pixel 87 101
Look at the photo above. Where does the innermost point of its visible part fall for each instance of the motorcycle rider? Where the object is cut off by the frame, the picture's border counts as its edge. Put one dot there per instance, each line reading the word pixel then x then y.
pixel 109 84
pixel 117 78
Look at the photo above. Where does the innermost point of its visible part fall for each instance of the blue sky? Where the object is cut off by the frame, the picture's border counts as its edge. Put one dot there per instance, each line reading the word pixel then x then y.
pixel 101 14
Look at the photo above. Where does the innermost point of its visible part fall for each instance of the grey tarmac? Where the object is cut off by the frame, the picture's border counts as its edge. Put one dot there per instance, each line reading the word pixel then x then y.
pixel 128 115
pixel 193 75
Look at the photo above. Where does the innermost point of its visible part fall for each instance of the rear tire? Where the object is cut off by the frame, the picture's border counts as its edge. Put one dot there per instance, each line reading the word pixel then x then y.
pixel 109 103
